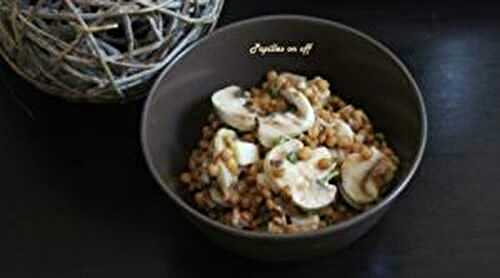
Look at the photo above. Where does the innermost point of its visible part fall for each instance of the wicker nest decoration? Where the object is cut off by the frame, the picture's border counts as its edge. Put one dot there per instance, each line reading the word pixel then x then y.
pixel 99 50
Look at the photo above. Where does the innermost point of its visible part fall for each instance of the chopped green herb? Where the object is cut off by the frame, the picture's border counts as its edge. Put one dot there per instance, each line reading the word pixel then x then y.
pixel 379 137
pixel 292 157
pixel 333 174
pixel 240 94
pixel 281 140
pixel 273 92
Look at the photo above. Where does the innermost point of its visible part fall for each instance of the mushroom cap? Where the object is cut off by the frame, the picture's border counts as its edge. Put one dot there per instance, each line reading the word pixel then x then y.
pixel 287 124
pixel 244 153
pixel 341 127
pixel 229 104
pixel 303 178
pixel 358 186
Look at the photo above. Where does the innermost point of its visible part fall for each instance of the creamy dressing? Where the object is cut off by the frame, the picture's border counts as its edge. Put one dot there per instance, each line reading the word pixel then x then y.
pixel 302 177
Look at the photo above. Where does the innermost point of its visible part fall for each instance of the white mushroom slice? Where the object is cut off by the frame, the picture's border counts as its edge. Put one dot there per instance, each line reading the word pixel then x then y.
pixel 358 186
pixel 225 178
pixel 246 153
pixel 299 81
pixel 304 224
pixel 304 178
pixel 342 128
pixel 316 192
pixel 309 168
pixel 224 139
pixel 339 154
pixel 278 156
pixel 313 195
pixel 323 95
pixel 288 124
pixel 230 106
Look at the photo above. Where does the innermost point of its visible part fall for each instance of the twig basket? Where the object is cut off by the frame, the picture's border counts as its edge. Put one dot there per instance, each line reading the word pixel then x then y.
pixel 99 50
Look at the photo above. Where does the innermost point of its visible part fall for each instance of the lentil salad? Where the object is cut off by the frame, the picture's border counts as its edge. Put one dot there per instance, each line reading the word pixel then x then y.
pixel 286 157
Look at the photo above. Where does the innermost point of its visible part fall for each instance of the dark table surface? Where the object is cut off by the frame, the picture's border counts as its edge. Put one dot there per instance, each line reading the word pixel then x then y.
pixel 78 201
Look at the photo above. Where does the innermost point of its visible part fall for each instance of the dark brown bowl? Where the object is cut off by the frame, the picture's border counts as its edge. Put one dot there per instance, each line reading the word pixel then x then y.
pixel 362 70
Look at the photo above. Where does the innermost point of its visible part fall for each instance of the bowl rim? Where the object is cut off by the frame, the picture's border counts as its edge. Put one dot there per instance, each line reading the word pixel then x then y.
pixel 178 200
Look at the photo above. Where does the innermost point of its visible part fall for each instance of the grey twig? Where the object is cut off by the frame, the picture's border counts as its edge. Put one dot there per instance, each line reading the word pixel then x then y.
pixel 99 50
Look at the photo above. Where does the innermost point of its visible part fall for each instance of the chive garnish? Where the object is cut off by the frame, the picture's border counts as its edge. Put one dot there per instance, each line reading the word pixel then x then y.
pixel 292 157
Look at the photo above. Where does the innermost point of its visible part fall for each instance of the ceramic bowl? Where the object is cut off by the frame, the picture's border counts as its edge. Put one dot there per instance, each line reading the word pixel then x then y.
pixel 363 72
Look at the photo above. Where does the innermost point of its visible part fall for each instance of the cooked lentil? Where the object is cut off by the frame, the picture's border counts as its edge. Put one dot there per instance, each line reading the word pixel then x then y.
pixel 253 202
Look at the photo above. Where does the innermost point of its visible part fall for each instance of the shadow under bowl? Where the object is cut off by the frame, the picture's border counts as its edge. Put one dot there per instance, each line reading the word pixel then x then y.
pixel 361 70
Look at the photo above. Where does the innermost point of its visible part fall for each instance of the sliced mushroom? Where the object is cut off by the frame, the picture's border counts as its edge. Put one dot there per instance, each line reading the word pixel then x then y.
pixel 360 186
pixel 230 106
pixel 224 139
pixel 304 224
pixel 323 94
pixel 313 195
pixel 287 124
pixel 244 153
pixel 306 181
pixel 339 154
pixel 318 192
pixel 342 128
pixel 299 81
pixel 277 156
